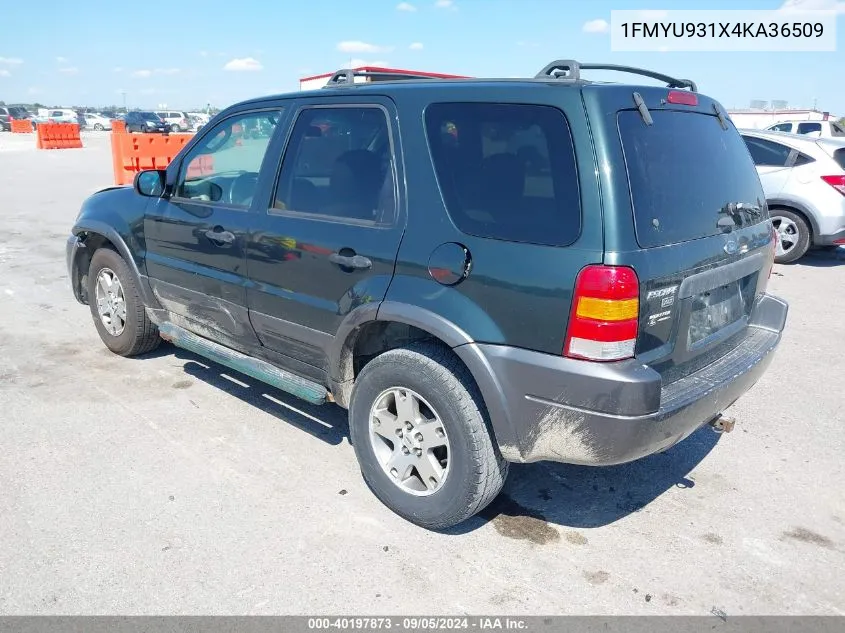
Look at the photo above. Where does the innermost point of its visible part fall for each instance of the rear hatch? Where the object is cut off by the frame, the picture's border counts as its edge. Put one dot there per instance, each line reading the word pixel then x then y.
pixel 687 212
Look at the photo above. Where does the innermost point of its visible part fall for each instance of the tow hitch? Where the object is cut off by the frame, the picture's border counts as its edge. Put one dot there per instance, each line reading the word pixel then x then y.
pixel 723 424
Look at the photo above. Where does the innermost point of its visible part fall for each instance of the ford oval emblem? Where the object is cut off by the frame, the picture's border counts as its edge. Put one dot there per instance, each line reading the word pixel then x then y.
pixel 731 247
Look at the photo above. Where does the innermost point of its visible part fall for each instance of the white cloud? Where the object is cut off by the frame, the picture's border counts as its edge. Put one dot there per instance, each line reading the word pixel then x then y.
pixel 596 26
pixel 5 73
pixel 117 69
pixel 445 4
pixel 62 60
pixel 790 6
pixel 357 46
pixel 406 6
pixel 243 64
pixel 11 61
pixel 33 91
pixel 142 73
pixel 358 63
pixel 71 70
pixel 416 46
pixel 203 53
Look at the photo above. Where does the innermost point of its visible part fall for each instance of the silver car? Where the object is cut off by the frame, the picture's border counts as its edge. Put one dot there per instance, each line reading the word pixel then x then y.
pixel 804 182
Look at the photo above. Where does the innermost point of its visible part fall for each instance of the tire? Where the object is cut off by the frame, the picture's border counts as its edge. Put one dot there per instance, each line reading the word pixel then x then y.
pixel 475 470
pixel 138 335
pixel 793 230
pixel 98 127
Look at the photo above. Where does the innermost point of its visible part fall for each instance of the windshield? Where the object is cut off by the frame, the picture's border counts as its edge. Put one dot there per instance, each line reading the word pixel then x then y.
pixel 688 177
pixel 149 116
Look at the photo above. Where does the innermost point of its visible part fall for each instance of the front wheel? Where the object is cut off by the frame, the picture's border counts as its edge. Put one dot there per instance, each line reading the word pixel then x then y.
pixel 98 127
pixel 793 236
pixel 117 308
pixel 422 438
pixel 175 128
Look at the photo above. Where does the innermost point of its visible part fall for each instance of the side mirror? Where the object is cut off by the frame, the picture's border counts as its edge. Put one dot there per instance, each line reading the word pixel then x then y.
pixel 150 182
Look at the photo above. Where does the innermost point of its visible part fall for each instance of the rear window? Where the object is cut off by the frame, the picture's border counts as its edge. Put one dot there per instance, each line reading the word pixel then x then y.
pixel 506 171
pixel 683 171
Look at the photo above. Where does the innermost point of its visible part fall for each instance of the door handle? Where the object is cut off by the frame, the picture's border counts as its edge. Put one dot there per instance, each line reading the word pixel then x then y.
pixel 225 237
pixel 353 261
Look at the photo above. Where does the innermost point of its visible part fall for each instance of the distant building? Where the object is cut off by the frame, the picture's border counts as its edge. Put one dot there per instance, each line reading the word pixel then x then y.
pixel 318 81
pixel 757 118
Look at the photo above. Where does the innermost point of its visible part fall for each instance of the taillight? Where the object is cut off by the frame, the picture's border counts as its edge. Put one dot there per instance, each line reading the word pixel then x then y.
pixel 837 182
pixel 681 97
pixel 605 313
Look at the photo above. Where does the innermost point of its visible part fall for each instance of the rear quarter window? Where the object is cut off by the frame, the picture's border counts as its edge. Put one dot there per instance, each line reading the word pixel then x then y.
pixel 506 171
pixel 839 157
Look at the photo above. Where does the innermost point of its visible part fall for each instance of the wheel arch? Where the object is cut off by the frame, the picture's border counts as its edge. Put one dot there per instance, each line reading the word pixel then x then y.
pixel 799 209
pixel 409 323
pixel 93 235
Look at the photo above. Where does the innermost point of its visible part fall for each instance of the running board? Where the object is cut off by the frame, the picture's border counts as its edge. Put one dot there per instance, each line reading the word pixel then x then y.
pixel 260 370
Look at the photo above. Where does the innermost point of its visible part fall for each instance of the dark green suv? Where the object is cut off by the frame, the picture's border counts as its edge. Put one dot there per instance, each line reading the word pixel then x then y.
pixel 481 271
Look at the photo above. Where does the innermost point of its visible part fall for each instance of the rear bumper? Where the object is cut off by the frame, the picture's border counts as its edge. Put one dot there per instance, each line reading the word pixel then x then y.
pixel 838 237
pixel 565 410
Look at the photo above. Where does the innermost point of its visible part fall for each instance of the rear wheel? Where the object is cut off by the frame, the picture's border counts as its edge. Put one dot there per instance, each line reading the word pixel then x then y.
pixel 98 127
pixel 175 128
pixel 420 431
pixel 117 308
pixel 793 234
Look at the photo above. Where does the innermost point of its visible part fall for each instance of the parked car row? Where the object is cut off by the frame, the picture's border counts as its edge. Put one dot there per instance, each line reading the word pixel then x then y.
pixel 143 121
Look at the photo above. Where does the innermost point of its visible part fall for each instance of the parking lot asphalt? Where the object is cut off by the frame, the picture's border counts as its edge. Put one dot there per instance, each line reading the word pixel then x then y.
pixel 165 485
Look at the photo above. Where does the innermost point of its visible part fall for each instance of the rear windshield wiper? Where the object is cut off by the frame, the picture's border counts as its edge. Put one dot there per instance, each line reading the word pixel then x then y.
pixel 734 212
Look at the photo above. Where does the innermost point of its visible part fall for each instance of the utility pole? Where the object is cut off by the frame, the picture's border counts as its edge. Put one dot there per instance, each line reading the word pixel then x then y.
pixel 123 92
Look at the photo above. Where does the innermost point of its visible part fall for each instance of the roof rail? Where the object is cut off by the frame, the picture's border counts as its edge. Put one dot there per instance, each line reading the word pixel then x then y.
pixel 347 76
pixel 571 69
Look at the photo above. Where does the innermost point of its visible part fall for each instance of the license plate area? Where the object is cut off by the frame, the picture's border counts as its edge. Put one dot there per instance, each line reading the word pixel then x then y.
pixel 714 310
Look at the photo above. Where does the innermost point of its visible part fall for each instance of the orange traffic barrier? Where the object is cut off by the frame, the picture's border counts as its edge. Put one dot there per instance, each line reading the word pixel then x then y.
pixel 132 153
pixel 118 126
pixel 21 126
pixel 58 136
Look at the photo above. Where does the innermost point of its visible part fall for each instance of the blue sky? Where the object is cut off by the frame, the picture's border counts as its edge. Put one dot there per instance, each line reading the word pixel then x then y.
pixel 187 53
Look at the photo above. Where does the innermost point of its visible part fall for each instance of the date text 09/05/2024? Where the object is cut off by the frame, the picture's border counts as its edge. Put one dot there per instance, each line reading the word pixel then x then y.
pixel 417 623
pixel 722 29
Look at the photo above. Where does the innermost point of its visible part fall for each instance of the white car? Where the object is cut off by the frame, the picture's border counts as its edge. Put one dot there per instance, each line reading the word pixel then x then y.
pixel 97 121
pixel 804 182
pixel 819 129
pixel 176 120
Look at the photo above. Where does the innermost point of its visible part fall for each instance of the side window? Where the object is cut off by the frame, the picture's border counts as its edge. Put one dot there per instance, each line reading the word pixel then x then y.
pixel 506 171
pixel 807 128
pixel 837 130
pixel 766 152
pixel 781 127
pixel 223 167
pixel 339 163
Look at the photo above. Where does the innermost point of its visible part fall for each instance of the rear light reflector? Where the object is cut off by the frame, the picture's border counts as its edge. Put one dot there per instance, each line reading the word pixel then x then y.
pixel 837 182
pixel 681 97
pixel 605 310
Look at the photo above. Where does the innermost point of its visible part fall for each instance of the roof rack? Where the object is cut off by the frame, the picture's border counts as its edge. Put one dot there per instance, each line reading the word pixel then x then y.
pixel 347 76
pixel 571 69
